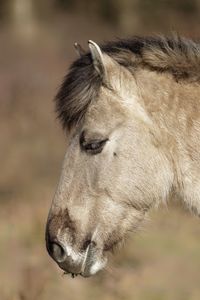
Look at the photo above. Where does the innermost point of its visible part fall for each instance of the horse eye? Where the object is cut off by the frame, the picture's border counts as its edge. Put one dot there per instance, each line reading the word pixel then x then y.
pixel 93 147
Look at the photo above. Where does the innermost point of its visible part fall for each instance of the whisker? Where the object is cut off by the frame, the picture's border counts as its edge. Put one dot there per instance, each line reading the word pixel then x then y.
pixel 85 259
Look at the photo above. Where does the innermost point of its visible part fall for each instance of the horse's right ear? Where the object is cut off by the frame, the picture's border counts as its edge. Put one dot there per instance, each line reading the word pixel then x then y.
pixel 97 58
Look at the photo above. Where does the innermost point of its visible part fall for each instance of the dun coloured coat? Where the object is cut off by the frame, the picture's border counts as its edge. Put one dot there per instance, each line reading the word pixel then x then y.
pixel 131 113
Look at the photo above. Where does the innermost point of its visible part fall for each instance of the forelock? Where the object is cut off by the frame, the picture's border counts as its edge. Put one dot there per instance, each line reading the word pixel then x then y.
pixel 79 88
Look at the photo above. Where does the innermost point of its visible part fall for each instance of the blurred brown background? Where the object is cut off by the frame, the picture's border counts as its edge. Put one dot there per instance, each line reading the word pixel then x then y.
pixel 36 47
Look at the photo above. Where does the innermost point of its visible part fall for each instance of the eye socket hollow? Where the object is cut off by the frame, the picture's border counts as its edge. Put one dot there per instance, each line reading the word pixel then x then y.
pixel 94 146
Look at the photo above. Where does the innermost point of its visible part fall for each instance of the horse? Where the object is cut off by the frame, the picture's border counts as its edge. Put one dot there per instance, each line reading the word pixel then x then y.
pixel 130 110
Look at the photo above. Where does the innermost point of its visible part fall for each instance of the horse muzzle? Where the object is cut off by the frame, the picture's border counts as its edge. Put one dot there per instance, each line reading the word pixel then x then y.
pixel 85 263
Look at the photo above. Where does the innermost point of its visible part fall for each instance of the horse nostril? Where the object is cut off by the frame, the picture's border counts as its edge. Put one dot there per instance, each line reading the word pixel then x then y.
pixel 57 252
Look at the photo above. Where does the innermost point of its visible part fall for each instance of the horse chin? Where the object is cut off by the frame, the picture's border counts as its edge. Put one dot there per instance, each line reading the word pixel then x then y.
pixel 94 267
pixel 97 266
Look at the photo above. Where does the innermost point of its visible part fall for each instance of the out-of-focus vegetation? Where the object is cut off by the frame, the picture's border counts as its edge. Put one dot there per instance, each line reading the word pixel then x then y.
pixel 36 42
pixel 127 14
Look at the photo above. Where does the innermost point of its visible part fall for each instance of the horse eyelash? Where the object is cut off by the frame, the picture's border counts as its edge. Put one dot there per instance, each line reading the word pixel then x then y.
pixel 98 146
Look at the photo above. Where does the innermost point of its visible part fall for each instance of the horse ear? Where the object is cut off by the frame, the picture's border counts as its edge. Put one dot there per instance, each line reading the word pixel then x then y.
pixel 80 51
pixel 97 58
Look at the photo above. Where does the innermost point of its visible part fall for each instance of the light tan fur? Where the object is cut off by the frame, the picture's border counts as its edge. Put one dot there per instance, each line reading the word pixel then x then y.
pixel 152 123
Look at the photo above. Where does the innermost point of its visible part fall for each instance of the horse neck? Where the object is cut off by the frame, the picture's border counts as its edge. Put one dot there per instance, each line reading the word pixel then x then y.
pixel 174 108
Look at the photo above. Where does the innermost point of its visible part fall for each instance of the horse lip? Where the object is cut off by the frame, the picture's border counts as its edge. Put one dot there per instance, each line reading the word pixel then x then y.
pixel 83 268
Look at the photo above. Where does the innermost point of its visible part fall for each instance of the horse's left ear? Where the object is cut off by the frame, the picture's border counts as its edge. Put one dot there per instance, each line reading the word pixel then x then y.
pixel 97 58
pixel 79 50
